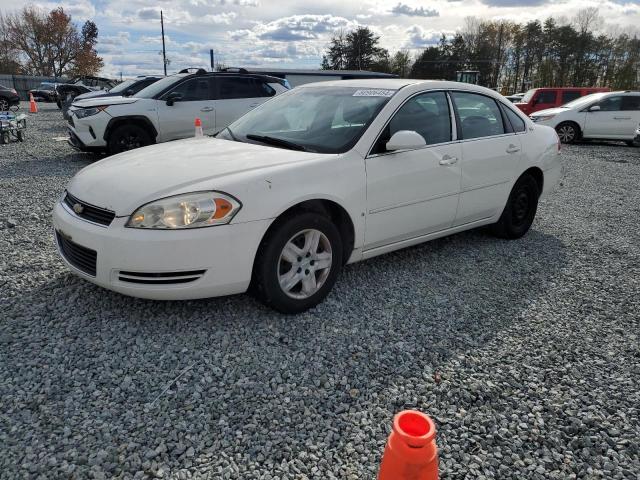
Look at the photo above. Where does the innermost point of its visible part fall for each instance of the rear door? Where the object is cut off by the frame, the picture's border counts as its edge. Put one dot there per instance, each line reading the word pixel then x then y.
pixel 177 120
pixel 236 95
pixel 491 154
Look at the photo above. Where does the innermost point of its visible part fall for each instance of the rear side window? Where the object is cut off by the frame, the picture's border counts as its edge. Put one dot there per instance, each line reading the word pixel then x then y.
pixel 569 96
pixel 237 87
pixel 517 123
pixel 631 103
pixel 546 96
pixel 264 89
pixel 479 115
pixel 193 90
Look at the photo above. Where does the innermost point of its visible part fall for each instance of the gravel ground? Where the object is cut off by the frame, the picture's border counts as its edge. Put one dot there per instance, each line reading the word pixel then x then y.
pixel 525 353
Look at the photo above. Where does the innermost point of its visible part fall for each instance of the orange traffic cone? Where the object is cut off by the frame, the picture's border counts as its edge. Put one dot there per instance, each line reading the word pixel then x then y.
pixel 198 124
pixel 33 108
pixel 411 452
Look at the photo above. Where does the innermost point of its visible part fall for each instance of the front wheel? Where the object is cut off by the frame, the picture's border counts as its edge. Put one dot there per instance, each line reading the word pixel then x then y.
pixel 518 214
pixel 127 137
pixel 298 263
pixel 568 132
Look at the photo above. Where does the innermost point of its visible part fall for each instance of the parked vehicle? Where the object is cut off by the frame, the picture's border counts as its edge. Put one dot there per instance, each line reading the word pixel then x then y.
pixel 8 98
pixel 636 138
pixel 516 97
pixel 127 88
pixel 605 116
pixel 542 98
pixel 68 91
pixel 45 92
pixel 167 109
pixel 326 174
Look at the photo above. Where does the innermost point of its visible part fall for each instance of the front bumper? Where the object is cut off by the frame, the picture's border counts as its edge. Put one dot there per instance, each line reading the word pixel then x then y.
pixel 88 133
pixel 225 253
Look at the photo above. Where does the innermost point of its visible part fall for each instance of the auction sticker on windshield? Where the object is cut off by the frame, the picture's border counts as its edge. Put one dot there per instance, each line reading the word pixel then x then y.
pixel 371 92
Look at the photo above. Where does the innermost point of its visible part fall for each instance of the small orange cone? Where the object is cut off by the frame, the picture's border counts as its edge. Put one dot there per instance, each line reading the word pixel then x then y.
pixel 411 452
pixel 33 108
pixel 198 124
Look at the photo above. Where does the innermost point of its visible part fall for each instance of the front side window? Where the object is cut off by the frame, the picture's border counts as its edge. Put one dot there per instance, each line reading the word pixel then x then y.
pixel 479 115
pixel 193 90
pixel 631 103
pixel 611 104
pixel 317 119
pixel 427 114
pixel 546 96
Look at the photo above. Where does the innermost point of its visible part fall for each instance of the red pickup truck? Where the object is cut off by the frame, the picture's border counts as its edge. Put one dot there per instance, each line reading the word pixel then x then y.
pixel 543 98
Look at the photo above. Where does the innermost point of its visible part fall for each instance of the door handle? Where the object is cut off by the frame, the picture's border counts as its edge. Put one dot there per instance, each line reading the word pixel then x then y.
pixel 206 109
pixel 253 105
pixel 448 160
pixel 512 149
pixel 622 118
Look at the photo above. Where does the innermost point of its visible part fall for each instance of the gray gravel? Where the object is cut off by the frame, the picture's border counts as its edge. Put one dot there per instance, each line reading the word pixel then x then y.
pixel 525 353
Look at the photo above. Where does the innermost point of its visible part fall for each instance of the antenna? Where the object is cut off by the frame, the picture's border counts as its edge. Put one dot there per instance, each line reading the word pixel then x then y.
pixel 164 53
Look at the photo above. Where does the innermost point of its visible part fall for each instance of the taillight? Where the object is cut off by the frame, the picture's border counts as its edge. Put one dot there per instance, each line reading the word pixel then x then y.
pixel 14 91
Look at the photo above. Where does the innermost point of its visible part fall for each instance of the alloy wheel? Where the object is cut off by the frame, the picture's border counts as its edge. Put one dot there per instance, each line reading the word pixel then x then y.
pixel 304 264
pixel 4 105
pixel 566 133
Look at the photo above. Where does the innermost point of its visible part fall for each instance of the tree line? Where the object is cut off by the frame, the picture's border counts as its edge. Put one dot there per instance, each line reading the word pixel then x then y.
pixel 509 56
pixel 36 42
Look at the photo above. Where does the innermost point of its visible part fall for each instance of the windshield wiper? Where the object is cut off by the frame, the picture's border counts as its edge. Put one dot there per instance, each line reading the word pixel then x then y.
pixel 279 142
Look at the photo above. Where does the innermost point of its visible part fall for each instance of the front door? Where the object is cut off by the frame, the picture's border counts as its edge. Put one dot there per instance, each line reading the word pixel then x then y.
pixel 177 120
pixel 413 192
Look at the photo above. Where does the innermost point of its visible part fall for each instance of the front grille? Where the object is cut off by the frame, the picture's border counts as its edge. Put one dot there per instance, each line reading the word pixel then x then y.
pixel 83 258
pixel 89 212
pixel 160 278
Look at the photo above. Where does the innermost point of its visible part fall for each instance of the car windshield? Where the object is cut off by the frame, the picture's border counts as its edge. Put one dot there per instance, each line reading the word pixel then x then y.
pixel 157 87
pixel 315 119
pixel 528 96
pixel 583 101
pixel 122 86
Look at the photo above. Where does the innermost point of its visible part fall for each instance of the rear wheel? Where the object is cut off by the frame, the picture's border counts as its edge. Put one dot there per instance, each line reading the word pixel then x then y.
pixel 127 137
pixel 518 214
pixel 568 132
pixel 20 135
pixel 4 104
pixel 298 263
pixel 633 143
pixel 4 138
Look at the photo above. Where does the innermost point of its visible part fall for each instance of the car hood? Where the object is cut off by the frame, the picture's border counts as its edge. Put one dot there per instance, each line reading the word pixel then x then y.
pixel 549 111
pixel 97 93
pixel 102 100
pixel 128 180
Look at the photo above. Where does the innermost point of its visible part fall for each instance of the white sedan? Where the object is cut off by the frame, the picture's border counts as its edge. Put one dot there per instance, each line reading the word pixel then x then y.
pixel 321 176
pixel 603 116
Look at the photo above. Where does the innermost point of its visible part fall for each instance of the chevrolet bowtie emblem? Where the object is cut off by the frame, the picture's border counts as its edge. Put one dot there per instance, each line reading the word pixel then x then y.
pixel 78 208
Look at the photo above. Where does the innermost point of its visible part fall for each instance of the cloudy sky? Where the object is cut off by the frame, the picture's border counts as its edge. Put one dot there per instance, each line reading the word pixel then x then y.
pixel 292 33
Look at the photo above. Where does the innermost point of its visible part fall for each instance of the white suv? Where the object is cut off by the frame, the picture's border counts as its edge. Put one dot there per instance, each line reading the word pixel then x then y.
pixel 166 110
pixel 605 116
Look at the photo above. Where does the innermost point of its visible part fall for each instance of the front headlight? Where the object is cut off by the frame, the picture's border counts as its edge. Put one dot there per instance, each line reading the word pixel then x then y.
pixel 87 112
pixel 191 210
pixel 541 118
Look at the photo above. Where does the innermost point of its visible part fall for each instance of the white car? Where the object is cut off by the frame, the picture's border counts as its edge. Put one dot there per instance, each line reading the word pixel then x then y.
pixel 167 109
pixel 604 116
pixel 326 174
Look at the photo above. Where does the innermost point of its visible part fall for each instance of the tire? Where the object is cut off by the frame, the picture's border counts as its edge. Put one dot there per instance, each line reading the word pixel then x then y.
pixel 20 135
pixel 518 214
pixel 632 143
pixel 127 137
pixel 4 138
pixel 286 254
pixel 568 132
pixel 4 104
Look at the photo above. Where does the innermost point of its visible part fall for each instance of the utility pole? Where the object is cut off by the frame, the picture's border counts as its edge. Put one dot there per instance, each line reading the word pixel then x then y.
pixel 164 53
pixel 211 58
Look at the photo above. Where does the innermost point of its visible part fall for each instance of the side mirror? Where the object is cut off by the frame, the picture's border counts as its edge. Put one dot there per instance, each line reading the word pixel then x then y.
pixel 128 92
pixel 173 97
pixel 594 108
pixel 405 140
